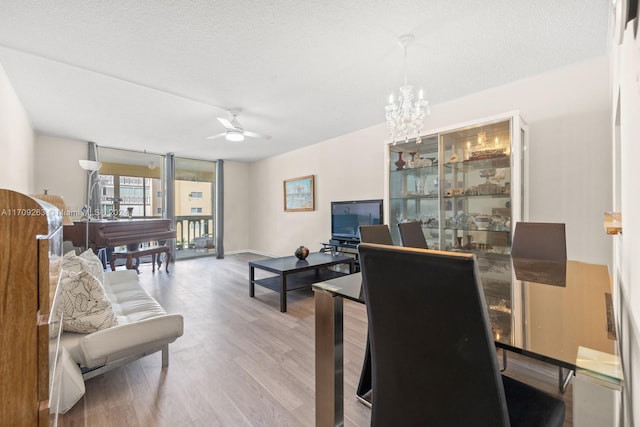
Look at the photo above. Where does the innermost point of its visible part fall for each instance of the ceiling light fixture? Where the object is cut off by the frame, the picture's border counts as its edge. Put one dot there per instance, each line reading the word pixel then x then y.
pixel 234 135
pixel 406 118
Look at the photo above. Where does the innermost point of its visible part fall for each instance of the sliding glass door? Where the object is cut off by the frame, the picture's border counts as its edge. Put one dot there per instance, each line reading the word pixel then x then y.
pixel 132 184
pixel 194 207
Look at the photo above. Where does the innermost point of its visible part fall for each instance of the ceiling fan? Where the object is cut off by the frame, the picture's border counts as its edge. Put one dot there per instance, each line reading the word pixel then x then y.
pixel 235 131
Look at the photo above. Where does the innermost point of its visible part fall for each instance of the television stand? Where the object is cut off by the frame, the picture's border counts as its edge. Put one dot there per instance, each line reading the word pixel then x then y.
pixel 343 247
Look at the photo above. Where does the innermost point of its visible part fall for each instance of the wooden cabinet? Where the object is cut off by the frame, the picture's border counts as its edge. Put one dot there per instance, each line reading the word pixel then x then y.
pixel 30 262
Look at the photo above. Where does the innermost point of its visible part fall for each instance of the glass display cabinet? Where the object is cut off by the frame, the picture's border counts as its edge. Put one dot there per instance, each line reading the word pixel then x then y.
pixel 464 184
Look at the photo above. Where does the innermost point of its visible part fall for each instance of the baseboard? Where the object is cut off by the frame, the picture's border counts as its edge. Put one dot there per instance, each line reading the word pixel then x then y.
pixel 252 251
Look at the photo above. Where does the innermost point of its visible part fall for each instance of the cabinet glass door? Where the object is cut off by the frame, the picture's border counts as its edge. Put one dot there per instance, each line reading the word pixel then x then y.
pixel 477 189
pixel 477 211
pixel 414 193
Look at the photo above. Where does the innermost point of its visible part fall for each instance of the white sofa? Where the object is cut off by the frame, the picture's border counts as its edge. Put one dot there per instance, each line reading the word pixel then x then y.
pixel 143 328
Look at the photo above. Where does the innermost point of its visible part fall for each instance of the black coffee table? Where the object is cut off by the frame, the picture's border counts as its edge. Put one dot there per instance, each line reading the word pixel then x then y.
pixel 293 273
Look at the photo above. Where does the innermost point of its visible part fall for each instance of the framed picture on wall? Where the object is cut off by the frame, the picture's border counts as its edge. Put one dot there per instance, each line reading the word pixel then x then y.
pixel 298 194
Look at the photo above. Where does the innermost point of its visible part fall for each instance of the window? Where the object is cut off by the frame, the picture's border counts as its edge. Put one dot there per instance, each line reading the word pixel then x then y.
pixel 122 192
pixel 196 194
pixel 196 210
pixel 128 184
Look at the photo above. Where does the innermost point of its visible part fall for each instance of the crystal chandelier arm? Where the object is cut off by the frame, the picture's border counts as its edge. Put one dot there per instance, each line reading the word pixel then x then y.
pixel 404 60
pixel 405 119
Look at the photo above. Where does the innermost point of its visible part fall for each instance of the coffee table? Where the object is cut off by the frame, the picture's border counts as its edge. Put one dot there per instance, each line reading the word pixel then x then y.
pixel 292 273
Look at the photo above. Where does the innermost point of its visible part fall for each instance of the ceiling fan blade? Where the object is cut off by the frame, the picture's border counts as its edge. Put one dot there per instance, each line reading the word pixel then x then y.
pixel 256 135
pixel 220 135
pixel 226 123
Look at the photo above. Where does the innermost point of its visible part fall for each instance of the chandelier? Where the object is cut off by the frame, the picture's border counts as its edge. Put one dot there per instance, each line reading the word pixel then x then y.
pixel 406 118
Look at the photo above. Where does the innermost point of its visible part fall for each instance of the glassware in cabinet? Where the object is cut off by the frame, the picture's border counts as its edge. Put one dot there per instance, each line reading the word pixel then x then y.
pixel 413 187
pixel 477 174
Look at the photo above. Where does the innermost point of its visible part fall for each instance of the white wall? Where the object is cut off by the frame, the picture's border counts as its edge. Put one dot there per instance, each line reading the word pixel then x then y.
pixel 567 111
pixel 625 71
pixel 345 168
pixel 236 207
pixel 16 141
pixel 569 154
pixel 56 161
pixel 570 180
pixel 570 172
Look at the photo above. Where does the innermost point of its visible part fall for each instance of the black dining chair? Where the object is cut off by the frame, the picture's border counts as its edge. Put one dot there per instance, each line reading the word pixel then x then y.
pixel 382 235
pixel 433 355
pixel 412 236
pixel 540 240
pixel 545 241
pixel 378 233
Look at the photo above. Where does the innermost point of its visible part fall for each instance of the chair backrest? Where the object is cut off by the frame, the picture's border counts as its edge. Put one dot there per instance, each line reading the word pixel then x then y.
pixel 412 236
pixel 375 234
pixel 540 240
pixel 433 354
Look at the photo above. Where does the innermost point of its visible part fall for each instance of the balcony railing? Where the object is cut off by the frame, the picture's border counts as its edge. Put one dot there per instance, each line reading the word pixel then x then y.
pixel 194 231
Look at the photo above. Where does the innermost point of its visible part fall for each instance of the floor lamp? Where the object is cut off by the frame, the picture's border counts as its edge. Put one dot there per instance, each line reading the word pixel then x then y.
pixel 92 167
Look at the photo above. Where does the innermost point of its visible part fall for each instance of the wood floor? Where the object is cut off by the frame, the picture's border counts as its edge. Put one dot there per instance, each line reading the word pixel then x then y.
pixel 240 361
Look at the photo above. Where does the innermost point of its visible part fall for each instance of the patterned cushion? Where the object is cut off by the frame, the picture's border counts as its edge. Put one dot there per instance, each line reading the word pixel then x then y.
pixel 93 263
pixel 86 261
pixel 83 303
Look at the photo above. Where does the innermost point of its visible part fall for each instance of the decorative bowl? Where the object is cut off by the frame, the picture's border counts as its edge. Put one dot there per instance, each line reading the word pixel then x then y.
pixel 302 252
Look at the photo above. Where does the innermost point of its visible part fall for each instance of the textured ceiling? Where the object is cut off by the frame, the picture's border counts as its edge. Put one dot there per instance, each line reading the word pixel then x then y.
pixel 154 74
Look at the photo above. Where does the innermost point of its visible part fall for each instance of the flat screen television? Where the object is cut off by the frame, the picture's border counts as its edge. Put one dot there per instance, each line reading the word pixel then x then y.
pixel 347 216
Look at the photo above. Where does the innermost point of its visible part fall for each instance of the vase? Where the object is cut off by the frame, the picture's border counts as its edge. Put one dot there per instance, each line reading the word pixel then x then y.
pixel 411 163
pixel 302 252
pixel 400 162
pixel 469 244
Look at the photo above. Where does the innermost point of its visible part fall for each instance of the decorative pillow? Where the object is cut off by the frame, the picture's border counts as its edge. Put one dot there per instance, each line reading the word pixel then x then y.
pixel 84 304
pixel 86 261
pixel 94 264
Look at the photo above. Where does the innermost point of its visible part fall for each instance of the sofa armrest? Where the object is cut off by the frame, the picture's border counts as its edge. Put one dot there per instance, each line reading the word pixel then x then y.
pixel 120 276
pixel 122 341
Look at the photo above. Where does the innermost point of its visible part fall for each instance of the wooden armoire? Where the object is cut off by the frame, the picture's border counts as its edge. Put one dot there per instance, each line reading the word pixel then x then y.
pixel 30 260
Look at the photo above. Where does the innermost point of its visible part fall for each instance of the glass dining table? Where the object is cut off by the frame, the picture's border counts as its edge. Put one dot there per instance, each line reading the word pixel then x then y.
pixel 557 312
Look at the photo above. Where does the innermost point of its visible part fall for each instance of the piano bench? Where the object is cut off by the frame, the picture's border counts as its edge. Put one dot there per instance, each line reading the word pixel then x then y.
pixel 130 255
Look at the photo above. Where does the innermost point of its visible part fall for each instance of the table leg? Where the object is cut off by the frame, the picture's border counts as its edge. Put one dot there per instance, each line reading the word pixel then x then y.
pixel 563 381
pixel 252 285
pixel 137 265
pixel 283 293
pixel 167 260
pixel 329 360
